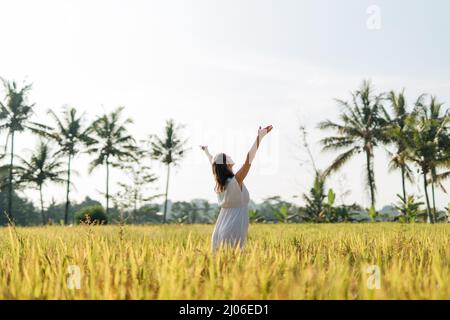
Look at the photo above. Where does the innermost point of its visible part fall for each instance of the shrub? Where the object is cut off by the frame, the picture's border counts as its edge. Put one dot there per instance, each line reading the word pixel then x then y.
pixel 92 215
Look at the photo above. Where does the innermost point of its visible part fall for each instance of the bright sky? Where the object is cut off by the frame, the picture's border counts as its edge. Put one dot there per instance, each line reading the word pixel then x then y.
pixel 222 68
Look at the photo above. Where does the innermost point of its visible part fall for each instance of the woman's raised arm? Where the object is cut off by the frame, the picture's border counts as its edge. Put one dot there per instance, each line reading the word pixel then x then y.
pixel 205 149
pixel 242 173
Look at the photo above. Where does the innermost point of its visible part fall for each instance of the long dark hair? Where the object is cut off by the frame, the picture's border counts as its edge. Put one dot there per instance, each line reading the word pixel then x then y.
pixel 221 174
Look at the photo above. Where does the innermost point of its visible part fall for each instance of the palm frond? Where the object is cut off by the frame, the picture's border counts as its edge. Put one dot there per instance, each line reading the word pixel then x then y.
pixel 341 160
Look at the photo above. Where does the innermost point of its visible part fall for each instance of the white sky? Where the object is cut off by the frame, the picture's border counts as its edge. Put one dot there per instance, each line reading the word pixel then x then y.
pixel 222 68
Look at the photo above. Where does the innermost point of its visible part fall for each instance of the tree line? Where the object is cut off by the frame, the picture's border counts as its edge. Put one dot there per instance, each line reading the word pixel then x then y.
pixel 415 136
pixel 106 139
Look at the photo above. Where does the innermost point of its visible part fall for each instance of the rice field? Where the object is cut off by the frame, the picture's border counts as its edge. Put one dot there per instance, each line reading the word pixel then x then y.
pixel 283 261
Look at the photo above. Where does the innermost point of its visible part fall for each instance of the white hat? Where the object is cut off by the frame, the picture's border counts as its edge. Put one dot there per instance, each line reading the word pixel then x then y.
pixel 219 158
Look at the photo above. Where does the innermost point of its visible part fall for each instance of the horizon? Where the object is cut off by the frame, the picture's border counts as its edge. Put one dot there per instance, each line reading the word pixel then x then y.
pixel 224 75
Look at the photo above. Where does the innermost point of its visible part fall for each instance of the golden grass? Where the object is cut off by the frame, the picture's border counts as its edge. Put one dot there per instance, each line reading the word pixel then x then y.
pixel 279 262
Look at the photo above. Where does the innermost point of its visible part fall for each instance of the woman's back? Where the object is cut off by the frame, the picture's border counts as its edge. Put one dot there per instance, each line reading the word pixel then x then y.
pixel 232 224
pixel 233 196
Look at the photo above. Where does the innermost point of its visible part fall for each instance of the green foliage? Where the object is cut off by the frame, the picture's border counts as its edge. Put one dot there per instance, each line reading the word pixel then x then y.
pixel 395 130
pixel 361 129
pixel 184 212
pixel 282 214
pixel 16 112
pixel 169 150
pixel 55 211
pixel 330 213
pixel 146 214
pixel 427 144
pixel 111 144
pixel 70 134
pixel 343 214
pixel 420 136
pixel 92 215
pixel 446 214
pixel 372 213
pixel 195 211
pixel 320 207
pixel 315 201
pixel 15 117
pixel 180 218
pixel 25 213
pixel 254 216
pixel 274 209
pixel 4 173
pixel 410 208
pixel 43 167
pixel 331 197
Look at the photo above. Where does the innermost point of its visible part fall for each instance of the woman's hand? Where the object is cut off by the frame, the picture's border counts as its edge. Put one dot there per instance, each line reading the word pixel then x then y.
pixel 206 151
pixel 262 132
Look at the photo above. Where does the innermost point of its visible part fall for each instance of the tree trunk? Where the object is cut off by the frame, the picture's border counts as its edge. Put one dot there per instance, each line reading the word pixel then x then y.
pixel 432 195
pixel 42 206
pixel 167 192
pixel 107 187
pixel 135 209
pixel 370 178
pixel 66 209
pixel 10 184
pixel 194 215
pixel 425 185
pixel 403 188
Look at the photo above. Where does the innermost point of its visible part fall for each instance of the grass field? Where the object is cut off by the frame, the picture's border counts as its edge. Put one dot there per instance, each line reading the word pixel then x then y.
pixel 174 262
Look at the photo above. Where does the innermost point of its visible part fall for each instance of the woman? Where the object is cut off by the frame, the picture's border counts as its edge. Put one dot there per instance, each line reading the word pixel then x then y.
pixel 232 224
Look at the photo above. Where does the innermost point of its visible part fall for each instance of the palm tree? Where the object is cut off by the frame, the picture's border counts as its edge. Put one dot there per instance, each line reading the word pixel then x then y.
pixel 361 130
pixel 315 200
pixel 439 130
pixel 110 140
pixel 42 167
pixel 15 117
pixel 427 144
pixel 395 129
pixel 170 150
pixel 70 134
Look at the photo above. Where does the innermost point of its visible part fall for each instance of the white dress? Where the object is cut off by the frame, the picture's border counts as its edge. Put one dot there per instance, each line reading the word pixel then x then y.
pixel 232 224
